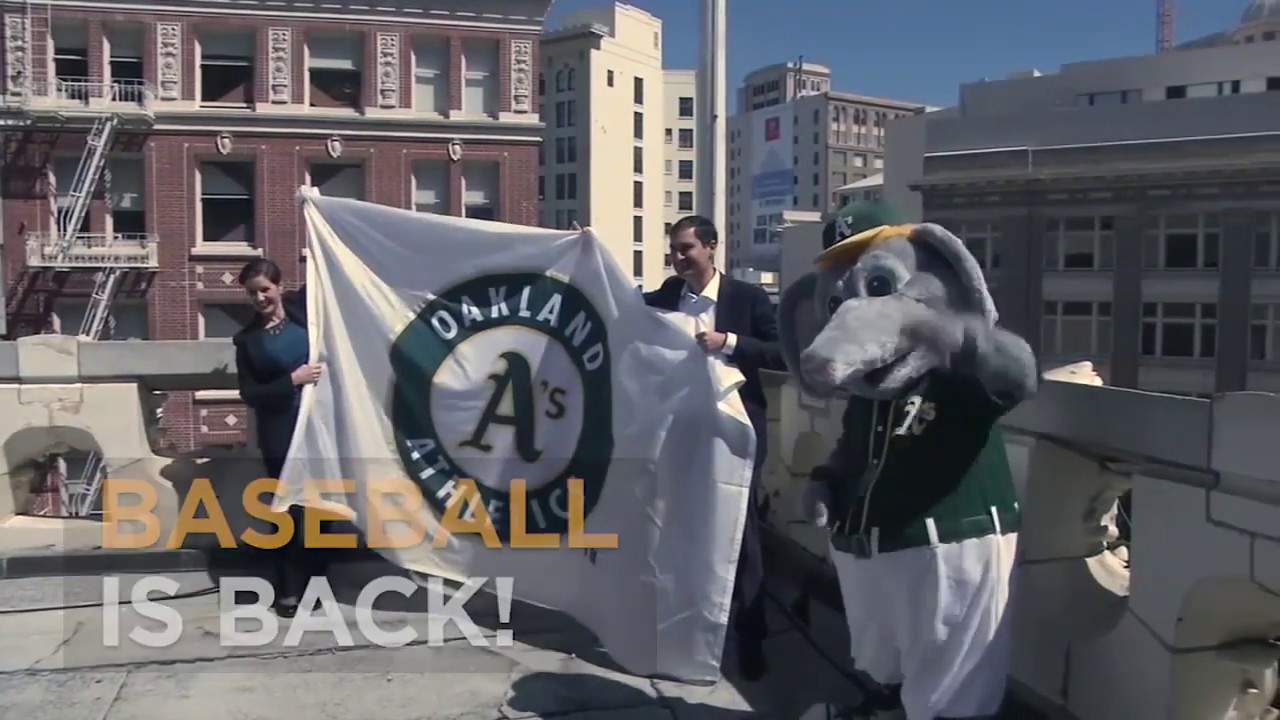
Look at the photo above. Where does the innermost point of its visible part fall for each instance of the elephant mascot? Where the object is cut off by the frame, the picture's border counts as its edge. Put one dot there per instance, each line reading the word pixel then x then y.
pixel 917 495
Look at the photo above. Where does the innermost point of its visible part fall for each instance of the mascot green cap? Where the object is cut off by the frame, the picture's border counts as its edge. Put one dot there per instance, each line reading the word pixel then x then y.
pixel 856 217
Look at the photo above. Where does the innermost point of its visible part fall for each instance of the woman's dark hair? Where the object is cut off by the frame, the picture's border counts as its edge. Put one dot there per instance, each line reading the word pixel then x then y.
pixel 260 267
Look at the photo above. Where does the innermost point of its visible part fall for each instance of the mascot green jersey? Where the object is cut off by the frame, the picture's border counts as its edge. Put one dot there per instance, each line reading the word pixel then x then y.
pixel 917 493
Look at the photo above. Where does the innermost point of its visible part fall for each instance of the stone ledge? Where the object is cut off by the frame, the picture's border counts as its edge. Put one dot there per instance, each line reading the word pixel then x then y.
pixel 100 562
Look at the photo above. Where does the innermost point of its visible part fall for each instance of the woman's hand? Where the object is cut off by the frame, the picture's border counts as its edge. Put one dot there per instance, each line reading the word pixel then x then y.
pixel 306 374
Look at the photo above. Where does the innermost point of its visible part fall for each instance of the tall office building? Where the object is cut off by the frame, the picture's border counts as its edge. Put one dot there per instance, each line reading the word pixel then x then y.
pixel 678 143
pixel 793 145
pixel 1125 209
pixel 601 87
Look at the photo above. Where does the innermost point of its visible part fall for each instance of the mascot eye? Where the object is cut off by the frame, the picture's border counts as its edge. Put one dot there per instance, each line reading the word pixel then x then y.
pixel 880 286
pixel 833 304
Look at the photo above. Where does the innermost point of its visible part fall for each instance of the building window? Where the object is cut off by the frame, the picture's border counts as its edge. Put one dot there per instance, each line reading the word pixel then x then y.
pixel 333 70
pixel 983 243
pixel 224 320
pixel 686 107
pixel 609 78
pixel 566 150
pixel 1179 330
pixel 342 180
pixel 126 201
pixel 127 319
pixel 71 58
pixel 666 167
pixel 431 74
pixel 1266 242
pixel 226 68
pixel 686 201
pixel 431 187
pixel 566 113
pixel 637 229
pixel 480 77
pixel 570 80
pixel 637 125
pixel 226 202
pixel 639 91
pixel 637 195
pixel 124 50
pixel 1182 242
pixel 1120 97
pixel 62 173
pixel 637 160
pixel 1080 243
pixel 667 135
pixel 637 264
pixel 666 198
pixel 1264 333
pixel 686 170
pixel 1076 328
pixel 686 139
pixel 1200 90
pixel 567 186
pixel 480 190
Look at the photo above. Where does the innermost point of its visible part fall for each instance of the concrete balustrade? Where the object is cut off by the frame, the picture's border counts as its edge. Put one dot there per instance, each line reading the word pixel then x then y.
pixel 1189 632
pixel 1186 633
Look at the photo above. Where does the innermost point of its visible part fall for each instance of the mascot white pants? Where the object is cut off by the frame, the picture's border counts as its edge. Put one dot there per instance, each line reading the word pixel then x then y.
pixel 933 620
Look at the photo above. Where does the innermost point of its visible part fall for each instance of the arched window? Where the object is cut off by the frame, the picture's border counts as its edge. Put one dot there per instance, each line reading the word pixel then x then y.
pixel 559 81
pixel 569 82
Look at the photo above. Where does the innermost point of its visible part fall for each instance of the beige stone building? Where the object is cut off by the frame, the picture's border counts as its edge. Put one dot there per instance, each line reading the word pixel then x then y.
pixel 603 103
pixel 680 154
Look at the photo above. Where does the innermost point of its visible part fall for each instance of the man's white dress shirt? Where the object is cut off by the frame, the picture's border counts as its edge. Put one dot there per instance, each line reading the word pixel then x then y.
pixel 701 307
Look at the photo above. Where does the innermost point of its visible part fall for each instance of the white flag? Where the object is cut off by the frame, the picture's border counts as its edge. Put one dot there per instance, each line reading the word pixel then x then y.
pixel 458 348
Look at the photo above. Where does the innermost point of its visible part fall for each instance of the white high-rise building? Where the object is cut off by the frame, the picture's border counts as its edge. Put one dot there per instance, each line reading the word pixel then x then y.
pixel 680 155
pixel 797 145
pixel 603 101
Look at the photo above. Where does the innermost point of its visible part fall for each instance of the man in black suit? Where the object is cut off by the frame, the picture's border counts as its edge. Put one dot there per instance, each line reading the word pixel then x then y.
pixel 737 321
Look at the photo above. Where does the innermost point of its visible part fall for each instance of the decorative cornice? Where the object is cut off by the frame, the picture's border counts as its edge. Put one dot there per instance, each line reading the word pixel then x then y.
pixel 521 76
pixel 388 70
pixel 280 65
pixel 500 15
pixel 169 61
pixel 17 54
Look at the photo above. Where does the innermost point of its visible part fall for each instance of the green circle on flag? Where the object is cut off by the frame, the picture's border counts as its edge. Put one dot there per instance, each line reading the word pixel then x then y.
pixel 506 378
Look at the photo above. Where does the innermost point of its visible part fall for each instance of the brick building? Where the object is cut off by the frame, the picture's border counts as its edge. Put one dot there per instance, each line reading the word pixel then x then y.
pixel 210 117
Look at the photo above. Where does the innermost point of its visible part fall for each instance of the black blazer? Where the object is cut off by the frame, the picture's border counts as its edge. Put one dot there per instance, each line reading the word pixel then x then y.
pixel 270 397
pixel 745 310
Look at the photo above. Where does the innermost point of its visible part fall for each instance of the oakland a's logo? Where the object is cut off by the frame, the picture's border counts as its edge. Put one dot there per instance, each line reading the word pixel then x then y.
pixel 502 378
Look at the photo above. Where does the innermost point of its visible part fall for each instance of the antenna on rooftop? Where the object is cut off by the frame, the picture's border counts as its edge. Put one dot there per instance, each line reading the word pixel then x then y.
pixel 1164 25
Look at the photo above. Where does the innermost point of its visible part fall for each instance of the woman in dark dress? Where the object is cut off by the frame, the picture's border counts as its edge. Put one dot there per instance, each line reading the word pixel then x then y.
pixel 272 354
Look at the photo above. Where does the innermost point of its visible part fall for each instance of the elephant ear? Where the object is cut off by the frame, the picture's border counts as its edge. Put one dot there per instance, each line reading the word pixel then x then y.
pixel 966 266
pixel 800 319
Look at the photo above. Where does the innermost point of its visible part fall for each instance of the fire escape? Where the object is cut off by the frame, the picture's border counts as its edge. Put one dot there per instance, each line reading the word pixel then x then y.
pixel 64 259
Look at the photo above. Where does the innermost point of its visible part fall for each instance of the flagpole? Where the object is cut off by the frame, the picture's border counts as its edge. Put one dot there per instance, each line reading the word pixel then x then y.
pixel 711 113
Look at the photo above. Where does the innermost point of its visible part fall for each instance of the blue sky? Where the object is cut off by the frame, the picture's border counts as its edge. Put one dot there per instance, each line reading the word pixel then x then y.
pixel 922 50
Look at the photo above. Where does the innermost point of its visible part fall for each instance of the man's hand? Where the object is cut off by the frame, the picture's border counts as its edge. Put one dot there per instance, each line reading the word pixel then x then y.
pixel 711 341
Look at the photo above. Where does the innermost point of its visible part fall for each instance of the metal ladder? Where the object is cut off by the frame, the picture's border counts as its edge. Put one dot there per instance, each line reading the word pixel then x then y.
pixel 97 315
pixel 88 172
pixel 98 312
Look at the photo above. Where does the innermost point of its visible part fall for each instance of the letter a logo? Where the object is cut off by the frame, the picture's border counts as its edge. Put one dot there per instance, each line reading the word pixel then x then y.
pixel 517 382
